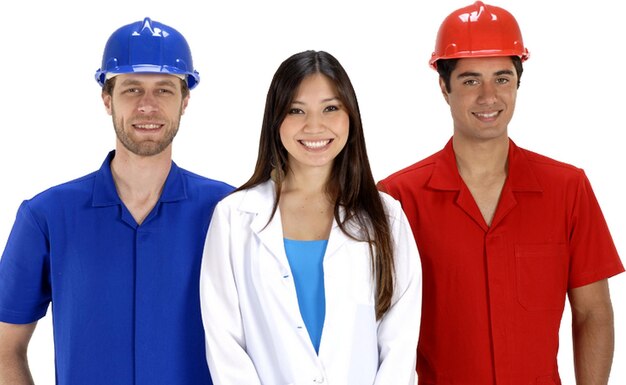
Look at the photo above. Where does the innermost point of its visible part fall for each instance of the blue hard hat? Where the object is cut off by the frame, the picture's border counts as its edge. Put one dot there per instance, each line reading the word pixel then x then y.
pixel 147 46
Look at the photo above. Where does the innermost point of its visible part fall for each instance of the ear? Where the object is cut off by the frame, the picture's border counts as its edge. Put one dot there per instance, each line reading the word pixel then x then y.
pixel 185 103
pixel 444 91
pixel 106 99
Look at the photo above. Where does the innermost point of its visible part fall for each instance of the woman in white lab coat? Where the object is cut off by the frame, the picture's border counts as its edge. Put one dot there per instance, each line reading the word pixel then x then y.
pixel 309 274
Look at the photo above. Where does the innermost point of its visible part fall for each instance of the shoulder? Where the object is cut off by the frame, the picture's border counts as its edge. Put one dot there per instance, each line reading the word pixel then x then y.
pixel 420 170
pixel 410 180
pixel 204 182
pixel 423 166
pixel 250 199
pixel 546 167
pixel 207 187
pixel 393 207
pixel 67 190
pixel 56 201
pixel 540 160
pixel 389 202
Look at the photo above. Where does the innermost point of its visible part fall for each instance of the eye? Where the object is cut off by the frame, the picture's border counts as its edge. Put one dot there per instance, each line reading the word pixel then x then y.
pixel 331 108
pixel 132 91
pixel 470 82
pixel 502 80
pixel 294 111
pixel 165 91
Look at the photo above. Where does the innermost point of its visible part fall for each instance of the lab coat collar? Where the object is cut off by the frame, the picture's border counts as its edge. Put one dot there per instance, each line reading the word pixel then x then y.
pixel 259 201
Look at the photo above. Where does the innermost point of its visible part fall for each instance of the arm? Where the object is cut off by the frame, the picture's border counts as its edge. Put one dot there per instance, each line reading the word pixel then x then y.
pixel 398 331
pixel 592 332
pixel 227 357
pixel 14 340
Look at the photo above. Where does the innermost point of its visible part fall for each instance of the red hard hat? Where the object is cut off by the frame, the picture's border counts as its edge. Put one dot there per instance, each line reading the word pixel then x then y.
pixel 478 30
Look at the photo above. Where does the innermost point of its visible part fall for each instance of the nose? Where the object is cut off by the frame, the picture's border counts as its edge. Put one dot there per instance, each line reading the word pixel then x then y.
pixel 488 94
pixel 147 103
pixel 314 123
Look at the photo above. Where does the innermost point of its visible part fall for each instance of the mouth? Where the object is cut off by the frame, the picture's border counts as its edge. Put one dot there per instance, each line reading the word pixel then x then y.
pixel 315 144
pixel 487 116
pixel 147 126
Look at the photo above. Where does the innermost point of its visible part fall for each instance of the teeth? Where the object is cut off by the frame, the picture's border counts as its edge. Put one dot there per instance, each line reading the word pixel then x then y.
pixel 148 126
pixel 487 115
pixel 315 144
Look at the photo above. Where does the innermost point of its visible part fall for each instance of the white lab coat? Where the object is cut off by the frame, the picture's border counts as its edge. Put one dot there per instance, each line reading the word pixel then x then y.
pixel 254 330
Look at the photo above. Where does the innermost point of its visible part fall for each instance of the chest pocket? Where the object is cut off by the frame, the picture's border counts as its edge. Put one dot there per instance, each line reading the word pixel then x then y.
pixel 541 274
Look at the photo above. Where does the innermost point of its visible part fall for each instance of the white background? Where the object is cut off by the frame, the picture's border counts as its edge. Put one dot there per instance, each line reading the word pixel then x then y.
pixel 54 127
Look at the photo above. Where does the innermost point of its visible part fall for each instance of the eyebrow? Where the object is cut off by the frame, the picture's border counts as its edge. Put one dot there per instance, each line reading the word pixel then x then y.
pixel 134 82
pixel 504 72
pixel 323 100
pixel 478 74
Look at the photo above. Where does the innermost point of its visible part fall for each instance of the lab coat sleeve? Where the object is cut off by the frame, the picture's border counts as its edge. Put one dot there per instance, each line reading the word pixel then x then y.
pixel 398 330
pixel 226 353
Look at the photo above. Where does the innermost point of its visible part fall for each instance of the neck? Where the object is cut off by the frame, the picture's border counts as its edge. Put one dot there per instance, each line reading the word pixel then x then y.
pixel 481 158
pixel 310 181
pixel 483 168
pixel 306 212
pixel 139 180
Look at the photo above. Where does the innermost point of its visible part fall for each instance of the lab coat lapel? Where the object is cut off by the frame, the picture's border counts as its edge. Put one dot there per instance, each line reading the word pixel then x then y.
pixel 260 201
pixel 336 239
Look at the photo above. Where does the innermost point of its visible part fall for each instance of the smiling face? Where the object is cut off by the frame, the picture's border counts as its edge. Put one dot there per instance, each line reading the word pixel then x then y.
pixel 316 126
pixel 482 97
pixel 146 111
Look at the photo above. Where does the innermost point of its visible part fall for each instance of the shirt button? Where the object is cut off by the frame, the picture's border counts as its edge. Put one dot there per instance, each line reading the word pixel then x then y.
pixel 318 380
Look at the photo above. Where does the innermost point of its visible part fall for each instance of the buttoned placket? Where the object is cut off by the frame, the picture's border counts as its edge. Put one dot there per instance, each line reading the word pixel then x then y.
pixel 144 265
pixel 496 273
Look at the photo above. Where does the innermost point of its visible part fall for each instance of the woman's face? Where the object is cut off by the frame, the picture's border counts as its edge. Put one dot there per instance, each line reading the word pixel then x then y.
pixel 316 126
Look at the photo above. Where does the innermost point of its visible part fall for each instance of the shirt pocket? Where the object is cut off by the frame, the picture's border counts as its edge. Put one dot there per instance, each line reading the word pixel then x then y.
pixel 541 276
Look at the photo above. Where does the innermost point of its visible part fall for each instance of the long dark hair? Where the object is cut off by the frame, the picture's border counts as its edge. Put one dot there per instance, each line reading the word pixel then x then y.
pixel 351 185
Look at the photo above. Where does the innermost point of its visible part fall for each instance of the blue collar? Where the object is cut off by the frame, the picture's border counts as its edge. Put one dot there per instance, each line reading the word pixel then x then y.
pixel 105 193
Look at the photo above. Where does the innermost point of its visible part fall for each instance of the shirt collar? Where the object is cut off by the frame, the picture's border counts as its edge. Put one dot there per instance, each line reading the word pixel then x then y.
pixel 521 176
pixel 105 193
pixel 445 174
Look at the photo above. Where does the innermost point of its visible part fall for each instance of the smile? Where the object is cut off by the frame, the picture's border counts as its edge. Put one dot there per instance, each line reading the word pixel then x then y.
pixel 314 144
pixel 150 126
pixel 486 115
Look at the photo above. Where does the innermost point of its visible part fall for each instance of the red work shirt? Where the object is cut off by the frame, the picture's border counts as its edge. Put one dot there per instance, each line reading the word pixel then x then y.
pixel 493 296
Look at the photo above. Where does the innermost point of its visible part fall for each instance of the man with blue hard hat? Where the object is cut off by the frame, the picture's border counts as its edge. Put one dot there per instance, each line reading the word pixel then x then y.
pixel 118 251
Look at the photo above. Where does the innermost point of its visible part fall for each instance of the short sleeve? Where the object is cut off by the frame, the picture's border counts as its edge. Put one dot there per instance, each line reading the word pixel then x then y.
pixel 592 250
pixel 24 271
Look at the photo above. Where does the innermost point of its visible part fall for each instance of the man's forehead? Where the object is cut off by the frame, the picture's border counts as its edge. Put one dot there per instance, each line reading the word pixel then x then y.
pixel 485 65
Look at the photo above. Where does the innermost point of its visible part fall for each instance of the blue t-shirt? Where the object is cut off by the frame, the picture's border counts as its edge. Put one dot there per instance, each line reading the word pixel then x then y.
pixel 306 262
pixel 125 297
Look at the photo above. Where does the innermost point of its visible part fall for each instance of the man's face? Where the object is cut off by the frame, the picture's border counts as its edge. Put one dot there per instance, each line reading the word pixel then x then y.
pixel 146 111
pixel 482 97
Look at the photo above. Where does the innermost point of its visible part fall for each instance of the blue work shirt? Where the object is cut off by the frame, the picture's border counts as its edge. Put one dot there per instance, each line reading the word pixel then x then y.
pixel 125 297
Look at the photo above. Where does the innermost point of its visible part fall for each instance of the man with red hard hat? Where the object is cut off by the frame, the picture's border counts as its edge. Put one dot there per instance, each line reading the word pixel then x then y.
pixel 504 234
pixel 117 252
